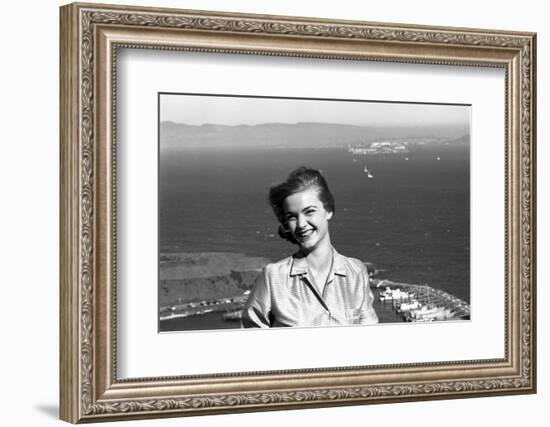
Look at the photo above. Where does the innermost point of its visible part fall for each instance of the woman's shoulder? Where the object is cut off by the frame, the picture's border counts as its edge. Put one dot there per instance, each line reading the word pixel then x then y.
pixel 281 265
pixel 353 265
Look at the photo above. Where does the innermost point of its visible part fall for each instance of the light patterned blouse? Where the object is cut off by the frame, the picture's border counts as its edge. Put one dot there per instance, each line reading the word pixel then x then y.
pixel 285 294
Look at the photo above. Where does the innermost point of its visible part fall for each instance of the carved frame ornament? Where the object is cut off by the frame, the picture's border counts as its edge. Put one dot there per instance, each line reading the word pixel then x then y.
pixel 90 36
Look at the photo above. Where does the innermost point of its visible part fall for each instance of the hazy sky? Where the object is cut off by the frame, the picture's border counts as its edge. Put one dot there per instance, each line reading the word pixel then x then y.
pixel 198 110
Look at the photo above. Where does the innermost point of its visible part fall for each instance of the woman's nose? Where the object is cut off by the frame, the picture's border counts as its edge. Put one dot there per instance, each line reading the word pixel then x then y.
pixel 301 221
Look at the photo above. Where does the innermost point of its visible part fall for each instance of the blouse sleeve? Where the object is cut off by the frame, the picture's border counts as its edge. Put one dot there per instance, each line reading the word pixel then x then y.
pixel 257 310
pixel 368 315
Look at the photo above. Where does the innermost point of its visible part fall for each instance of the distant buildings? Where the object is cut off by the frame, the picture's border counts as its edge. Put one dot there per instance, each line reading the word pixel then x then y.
pixel 379 147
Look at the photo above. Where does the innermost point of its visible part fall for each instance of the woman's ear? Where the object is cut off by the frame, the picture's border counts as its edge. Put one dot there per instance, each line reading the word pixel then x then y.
pixel 329 215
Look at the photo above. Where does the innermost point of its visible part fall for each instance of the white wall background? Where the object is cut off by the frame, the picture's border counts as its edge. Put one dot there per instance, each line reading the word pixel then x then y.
pixel 29 171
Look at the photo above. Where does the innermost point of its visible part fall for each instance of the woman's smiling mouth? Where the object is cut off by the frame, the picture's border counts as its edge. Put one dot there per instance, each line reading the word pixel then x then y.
pixel 305 233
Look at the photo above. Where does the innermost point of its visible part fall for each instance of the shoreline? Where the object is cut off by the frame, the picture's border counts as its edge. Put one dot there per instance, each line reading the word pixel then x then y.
pixel 199 283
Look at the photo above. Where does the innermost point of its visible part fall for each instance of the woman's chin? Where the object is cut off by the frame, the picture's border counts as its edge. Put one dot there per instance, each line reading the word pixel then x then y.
pixel 312 243
pixel 307 245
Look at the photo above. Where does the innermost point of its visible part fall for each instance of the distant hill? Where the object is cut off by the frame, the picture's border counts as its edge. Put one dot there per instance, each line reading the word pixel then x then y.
pixel 299 135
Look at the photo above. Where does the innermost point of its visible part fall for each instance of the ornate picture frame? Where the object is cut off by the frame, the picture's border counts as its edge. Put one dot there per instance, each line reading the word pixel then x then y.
pixel 91 36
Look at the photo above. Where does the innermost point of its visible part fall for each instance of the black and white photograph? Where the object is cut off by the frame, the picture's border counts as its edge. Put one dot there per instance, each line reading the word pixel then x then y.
pixel 308 212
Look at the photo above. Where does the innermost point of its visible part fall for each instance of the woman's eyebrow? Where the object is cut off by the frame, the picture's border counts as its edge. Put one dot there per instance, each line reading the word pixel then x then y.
pixel 286 211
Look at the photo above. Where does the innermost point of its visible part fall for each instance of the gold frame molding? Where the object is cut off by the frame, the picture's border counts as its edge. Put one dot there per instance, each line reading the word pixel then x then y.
pixel 90 36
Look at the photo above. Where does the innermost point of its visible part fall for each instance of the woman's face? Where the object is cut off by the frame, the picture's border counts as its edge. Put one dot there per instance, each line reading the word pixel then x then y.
pixel 307 218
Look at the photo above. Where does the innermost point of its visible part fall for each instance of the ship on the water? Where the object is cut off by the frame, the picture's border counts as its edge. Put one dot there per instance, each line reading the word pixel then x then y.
pixel 369 174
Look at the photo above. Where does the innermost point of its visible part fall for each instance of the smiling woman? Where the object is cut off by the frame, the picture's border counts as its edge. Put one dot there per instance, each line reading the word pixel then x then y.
pixel 316 286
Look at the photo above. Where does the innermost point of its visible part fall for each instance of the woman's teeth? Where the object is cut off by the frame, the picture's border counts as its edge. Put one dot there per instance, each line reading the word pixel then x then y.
pixel 305 233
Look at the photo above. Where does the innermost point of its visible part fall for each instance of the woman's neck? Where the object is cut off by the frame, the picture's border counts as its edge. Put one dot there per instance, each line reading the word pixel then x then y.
pixel 321 256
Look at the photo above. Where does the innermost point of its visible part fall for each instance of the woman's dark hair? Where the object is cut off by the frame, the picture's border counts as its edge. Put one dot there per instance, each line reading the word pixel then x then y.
pixel 298 180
